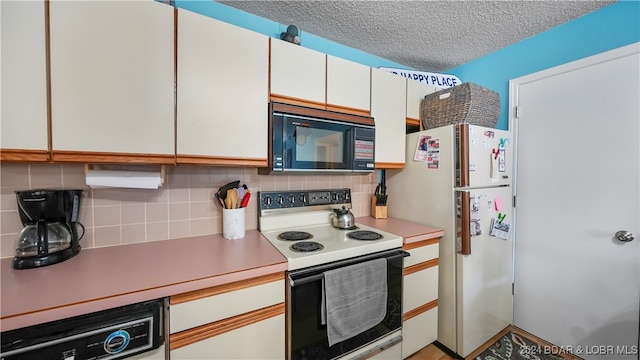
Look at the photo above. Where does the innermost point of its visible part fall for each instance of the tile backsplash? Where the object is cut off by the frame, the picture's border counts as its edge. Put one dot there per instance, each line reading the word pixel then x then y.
pixel 183 207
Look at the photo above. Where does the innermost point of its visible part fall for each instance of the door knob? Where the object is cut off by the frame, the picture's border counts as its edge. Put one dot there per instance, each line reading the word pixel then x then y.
pixel 624 236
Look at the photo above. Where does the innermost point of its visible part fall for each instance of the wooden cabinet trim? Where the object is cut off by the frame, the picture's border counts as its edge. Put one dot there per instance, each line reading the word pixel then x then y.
pixel 348 110
pixel 111 158
pixel 322 113
pixel 296 101
pixel 18 155
pixel 207 331
pixel 413 122
pixel 222 161
pixel 418 244
pixel 420 310
pixel 419 267
pixel 221 289
pixel 389 165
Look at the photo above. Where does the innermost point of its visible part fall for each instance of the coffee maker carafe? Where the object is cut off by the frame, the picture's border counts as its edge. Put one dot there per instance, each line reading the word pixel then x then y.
pixel 50 219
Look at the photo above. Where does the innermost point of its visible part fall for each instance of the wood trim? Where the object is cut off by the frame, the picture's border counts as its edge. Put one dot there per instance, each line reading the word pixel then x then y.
pixel 419 267
pixel 321 113
pixel 20 155
pixel 348 110
pixel 222 161
pixel 296 101
pixel 420 310
pixel 111 158
pixel 413 122
pixel 47 54
pixel 417 244
pixel 221 289
pixel 188 337
pixel 389 165
pixel 175 80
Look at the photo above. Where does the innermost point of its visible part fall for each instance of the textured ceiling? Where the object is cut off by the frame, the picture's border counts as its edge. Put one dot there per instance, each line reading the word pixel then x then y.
pixel 424 35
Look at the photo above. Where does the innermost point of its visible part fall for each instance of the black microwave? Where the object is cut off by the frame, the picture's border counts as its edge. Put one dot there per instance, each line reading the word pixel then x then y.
pixel 307 140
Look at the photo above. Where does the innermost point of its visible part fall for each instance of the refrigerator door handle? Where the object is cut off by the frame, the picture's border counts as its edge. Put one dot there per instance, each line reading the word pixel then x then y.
pixel 462 154
pixel 463 223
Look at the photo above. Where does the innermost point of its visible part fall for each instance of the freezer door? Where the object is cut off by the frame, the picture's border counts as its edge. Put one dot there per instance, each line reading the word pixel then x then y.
pixel 483 156
pixel 483 266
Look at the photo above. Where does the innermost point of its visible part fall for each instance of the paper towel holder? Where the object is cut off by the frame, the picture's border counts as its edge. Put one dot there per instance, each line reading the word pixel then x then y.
pixel 163 172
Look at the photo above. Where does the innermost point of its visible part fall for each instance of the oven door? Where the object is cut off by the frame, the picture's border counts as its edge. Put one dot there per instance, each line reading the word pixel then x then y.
pixel 312 144
pixel 307 336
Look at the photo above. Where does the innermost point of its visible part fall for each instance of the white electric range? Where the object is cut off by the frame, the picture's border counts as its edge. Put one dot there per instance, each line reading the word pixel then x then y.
pixel 298 224
pixel 317 248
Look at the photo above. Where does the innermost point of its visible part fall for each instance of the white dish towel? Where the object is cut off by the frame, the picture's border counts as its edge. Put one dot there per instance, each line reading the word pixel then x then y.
pixel 355 299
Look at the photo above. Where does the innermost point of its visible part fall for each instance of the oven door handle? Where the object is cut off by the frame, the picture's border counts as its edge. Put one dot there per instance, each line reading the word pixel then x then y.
pixel 301 279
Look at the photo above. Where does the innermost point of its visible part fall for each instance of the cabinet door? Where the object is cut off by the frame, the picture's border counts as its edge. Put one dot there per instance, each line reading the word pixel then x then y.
pixel 260 340
pixel 348 86
pixel 222 87
pixel 112 79
pixel 298 74
pixel 23 129
pixel 416 91
pixel 388 108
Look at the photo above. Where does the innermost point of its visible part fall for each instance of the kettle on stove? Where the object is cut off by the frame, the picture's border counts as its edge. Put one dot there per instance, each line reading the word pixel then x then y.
pixel 343 219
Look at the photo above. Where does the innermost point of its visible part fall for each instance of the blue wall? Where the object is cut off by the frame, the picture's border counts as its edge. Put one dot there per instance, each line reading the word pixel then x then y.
pixel 608 28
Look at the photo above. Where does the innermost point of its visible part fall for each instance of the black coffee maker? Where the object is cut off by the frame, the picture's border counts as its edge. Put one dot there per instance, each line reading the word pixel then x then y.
pixel 50 219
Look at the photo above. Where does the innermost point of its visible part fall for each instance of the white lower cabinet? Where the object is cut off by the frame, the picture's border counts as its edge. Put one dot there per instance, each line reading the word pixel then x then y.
pixel 419 331
pixel 260 340
pixel 420 296
pixel 241 320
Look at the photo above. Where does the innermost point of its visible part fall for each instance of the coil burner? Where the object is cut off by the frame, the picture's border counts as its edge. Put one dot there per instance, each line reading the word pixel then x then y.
pixel 294 235
pixel 364 235
pixel 306 246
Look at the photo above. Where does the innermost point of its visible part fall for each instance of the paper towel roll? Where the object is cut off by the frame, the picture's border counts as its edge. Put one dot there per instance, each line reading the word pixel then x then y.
pixel 124 179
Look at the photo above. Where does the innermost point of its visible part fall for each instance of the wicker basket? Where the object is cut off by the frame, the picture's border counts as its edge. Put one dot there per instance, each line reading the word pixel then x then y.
pixel 467 103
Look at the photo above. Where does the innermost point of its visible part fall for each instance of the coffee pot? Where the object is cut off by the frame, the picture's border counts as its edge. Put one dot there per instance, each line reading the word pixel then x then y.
pixel 343 219
pixel 50 219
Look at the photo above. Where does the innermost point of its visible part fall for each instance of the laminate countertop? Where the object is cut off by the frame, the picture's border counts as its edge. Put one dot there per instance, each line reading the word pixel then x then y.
pixel 102 278
pixel 411 232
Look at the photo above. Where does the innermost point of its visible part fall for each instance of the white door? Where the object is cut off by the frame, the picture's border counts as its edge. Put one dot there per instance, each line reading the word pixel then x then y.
pixel 577 184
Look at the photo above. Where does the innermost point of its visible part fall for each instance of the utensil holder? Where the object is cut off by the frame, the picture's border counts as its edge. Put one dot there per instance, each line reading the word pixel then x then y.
pixel 233 222
pixel 378 211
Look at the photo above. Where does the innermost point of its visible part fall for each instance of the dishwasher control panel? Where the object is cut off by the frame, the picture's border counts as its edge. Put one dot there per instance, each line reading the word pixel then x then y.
pixel 107 335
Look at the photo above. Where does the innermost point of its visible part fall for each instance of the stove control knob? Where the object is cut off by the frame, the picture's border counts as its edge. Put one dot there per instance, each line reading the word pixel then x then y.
pixel 303 198
pixel 280 199
pixel 292 199
pixel 267 200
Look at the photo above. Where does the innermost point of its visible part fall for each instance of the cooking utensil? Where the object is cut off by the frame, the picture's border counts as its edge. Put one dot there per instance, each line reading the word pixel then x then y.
pixel 245 199
pixel 225 188
pixel 219 201
pixel 342 218
pixel 232 198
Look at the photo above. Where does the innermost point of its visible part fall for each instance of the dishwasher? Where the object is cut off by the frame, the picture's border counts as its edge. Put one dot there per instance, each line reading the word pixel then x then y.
pixel 110 334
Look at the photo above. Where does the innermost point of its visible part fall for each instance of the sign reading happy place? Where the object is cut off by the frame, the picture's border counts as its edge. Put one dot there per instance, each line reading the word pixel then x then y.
pixel 442 81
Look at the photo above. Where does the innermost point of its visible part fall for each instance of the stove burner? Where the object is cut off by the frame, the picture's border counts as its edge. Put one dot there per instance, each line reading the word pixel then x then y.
pixel 306 246
pixel 295 235
pixel 364 235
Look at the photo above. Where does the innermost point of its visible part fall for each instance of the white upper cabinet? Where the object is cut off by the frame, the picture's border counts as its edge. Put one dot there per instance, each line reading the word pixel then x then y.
pixel 23 127
pixel 416 91
pixel 298 74
pixel 222 93
pixel 388 108
pixel 348 85
pixel 112 79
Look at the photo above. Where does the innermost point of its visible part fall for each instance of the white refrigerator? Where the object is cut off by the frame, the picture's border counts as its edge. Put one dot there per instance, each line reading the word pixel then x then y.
pixel 458 178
